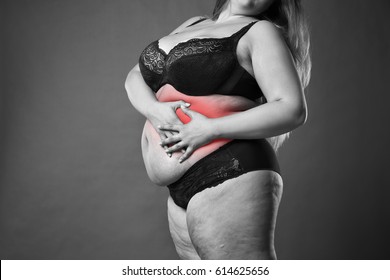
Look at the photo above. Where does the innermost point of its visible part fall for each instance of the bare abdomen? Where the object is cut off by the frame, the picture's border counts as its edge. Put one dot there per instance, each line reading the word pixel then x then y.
pixel 163 170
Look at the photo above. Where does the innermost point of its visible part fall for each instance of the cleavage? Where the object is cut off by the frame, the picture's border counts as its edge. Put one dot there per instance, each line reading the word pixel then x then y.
pixel 167 47
pixel 163 44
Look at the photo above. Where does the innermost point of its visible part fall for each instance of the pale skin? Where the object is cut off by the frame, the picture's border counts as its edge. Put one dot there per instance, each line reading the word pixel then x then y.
pixel 236 219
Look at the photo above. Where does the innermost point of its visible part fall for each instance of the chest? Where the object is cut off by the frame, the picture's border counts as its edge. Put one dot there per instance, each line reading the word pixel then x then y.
pixel 196 60
pixel 200 66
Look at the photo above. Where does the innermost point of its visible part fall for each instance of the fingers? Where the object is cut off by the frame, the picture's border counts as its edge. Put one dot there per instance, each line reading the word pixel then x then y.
pixel 170 127
pixel 170 133
pixel 174 148
pixel 192 114
pixel 163 136
pixel 187 154
pixel 181 103
pixel 170 140
pixel 187 151
pixel 187 111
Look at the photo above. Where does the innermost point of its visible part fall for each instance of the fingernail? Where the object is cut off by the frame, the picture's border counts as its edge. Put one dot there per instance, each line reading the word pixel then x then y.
pixel 187 104
pixel 169 154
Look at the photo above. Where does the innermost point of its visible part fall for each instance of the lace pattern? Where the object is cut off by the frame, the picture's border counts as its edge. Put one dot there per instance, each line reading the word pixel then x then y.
pixel 153 59
pixel 157 67
pixel 208 172
pixel 193 46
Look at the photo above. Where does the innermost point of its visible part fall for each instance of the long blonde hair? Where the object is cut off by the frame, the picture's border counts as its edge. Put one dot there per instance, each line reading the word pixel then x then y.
pixel 289 17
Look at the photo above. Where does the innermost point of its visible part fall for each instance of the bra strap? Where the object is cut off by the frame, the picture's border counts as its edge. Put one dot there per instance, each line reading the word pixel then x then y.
pixel 237 36
pixel 196 21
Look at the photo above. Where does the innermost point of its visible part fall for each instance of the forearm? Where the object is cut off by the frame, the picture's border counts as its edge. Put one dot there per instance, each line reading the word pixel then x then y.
pixel 267 120
pixel 140 95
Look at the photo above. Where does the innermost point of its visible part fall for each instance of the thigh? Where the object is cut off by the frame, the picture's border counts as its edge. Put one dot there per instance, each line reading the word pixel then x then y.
pixel 236 219
pixel 179 232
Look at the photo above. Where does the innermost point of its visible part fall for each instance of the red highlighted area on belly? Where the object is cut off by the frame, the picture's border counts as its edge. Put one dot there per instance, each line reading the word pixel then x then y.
pixel 164 170
pixel 211 106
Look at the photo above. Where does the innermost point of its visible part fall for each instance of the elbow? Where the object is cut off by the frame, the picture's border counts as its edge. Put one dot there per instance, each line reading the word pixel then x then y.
pixel 297 114
pixel 128 91
pixel 300 116
pixel 133 74
pixel 128 82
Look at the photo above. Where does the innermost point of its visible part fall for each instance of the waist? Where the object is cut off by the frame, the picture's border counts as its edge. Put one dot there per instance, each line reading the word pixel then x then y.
pixel 212 106
pixel 164 170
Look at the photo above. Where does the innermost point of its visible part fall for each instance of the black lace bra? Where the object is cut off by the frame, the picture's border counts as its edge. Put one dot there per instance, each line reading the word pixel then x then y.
pixel 199 67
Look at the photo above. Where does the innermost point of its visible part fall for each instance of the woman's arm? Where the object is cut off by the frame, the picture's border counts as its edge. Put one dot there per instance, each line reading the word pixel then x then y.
pixel 141 95
pixel 144 101
pixel 143 98
pixel 274 70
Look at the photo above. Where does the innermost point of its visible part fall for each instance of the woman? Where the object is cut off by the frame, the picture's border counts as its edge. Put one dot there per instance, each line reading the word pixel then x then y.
pixel 206 132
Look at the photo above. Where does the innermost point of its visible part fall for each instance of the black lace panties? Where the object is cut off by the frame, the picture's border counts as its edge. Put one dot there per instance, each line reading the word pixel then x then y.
pixel 229 161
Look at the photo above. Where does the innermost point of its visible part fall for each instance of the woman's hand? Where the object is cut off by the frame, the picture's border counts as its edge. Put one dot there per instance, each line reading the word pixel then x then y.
pixel 165 113
pixel 190 136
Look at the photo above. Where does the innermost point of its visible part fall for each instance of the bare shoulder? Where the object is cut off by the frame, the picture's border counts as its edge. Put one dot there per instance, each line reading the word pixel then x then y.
pixel 265 34
pixel 186 23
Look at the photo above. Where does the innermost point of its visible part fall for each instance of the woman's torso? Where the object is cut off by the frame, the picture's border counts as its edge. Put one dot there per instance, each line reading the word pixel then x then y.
pixel 202 61
pixel 206 73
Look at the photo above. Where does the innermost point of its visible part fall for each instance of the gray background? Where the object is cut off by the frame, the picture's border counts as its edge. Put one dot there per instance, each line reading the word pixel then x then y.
pixel 73 184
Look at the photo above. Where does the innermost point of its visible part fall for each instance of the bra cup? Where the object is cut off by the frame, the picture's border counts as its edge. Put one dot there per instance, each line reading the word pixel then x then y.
pixel 151 78
pixel 200 75
pixel 200 66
